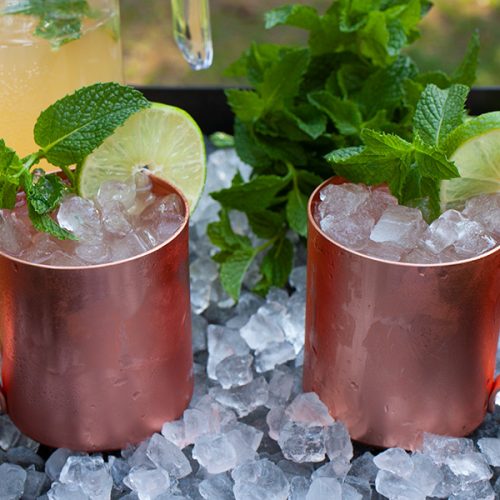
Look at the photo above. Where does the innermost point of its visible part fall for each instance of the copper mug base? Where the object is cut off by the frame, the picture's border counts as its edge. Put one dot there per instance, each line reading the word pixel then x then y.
pixel 98 357
pixel 396 349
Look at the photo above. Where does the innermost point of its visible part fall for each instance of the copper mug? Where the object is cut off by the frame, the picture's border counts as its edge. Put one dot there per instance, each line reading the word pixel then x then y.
pixel 98 357
pixel 396 349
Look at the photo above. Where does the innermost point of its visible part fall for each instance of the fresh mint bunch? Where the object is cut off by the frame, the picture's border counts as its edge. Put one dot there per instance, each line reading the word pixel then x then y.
pixel 60 21
pixel 66 132
pixel 305 102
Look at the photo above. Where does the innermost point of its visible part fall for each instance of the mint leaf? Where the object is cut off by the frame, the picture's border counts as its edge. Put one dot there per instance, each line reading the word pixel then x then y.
pixel 296 211
pixel 221 234
pixel 300 16
pixel 433 163
pixel 308 120
pixel 246 104
pixel 344 114
pixel 439 112
pixel 74 126
pixel 60 21
pixel 276 265
pixel 257 194
pixel 466 72
pixel 388 145
pixel 266 223
pixel 11 170
pixel 48 225
pixel 45 193
pixel 233 270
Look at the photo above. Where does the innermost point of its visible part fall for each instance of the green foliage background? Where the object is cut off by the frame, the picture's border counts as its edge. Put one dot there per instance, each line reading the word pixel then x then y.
pixel 152 58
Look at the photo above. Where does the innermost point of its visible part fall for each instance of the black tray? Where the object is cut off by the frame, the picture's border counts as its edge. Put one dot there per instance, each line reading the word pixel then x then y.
pixel 208 106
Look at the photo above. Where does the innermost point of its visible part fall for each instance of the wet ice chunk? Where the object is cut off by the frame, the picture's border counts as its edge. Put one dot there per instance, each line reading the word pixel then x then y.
pixel 425 474
pixel 364 468
pixel 299 486
pixel 175 433
pixel 263 327
pixel 439 448
pixel 491 448
pixel 337 468
pixel 56 461
pixel 234 371
pixel 12 479
pixel 218 487
pixel 260 479
pixel 395 460
pixel 338 442
pixel 396 487
pixel 471 467
pixel 36 483
pixel 81 217
pixel 324 487
pixel 481 490
pixel 60 491
pixel 401 225
pixel 90 474
pixel 302 443
pixel 276 353
pixel 222 343
pixel 148 483
pixel 116 192
pixel 215 452
pixel 280 387
pixel 244 399
pixel 167 456
pixel 308 409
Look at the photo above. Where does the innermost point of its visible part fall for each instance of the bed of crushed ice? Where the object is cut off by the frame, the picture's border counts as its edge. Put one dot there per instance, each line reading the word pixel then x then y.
pixel 250 433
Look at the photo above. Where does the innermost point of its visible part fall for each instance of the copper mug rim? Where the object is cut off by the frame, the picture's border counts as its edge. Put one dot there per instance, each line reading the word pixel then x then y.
pixel 313 199
pixel 156 181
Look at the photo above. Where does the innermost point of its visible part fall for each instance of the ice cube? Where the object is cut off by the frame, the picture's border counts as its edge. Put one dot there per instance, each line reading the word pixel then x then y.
pixel 128 246
pixel 443 231
pixel 473 240
pixel 491 448
pixel 222 343
pixel 167 456
pixel 90 474
pixel 234 371
pixel 353 231
pixel 399 225
pixel 470 467
pixel 15 234
pixel 364 468
pixel 263 327
pixel 275 353
pixel 115 220
pixel 350 493
pixel 93 254
pixel 219 486
pixel 421 256
pixel 149 484
pixel 298 278
pixel 12 479
pixel 342 200
pixel 41 249
pixel 113 191
pixel 165 207
pixel 302 443
pixel 9 433
pixel 280 387
pixel 35 485
pixel 60 491
pixel 259 479
pixel 386 251
pixel 481 490
pixel 439 448
pixel 309 410
pixel 338 442
pixel 243 399
pixel 56 461
pixel 395 460
pixel 81 217
pixel 215 452
pixel 397 488
pixel 175 433
pixel 337 468
pixel 425 474
pixel 299 486
pixel 485 209
pixel 119 470
pixel 24 457
pixel 324 487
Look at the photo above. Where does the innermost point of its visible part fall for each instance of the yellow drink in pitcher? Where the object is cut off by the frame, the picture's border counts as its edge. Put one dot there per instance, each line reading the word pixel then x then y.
pixel 35 71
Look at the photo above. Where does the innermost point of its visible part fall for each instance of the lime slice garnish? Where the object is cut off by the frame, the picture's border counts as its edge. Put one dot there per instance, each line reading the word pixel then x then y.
pixel 475 149
pixel 163 139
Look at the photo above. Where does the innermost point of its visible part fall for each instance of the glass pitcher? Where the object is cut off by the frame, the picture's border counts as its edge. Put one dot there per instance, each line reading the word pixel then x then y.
pixel 48 53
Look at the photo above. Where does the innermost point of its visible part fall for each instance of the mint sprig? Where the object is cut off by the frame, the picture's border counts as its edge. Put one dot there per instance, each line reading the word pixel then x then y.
pixel 60 21
pixel 304 102
pixel 66 132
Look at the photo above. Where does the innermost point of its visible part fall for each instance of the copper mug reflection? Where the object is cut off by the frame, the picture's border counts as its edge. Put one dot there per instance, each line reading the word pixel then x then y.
pixel 394 349
pixel 98 357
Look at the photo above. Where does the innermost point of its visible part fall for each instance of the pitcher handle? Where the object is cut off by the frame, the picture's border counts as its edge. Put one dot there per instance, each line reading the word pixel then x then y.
pixel 494 391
